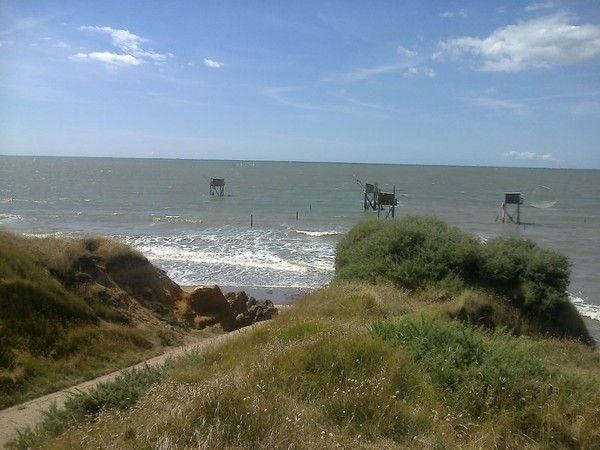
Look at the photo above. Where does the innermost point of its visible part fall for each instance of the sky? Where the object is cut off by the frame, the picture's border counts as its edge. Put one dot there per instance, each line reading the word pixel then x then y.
pixel 453 83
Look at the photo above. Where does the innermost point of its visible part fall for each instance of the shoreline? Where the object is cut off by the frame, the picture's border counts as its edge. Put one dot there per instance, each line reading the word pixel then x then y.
pixel 278 295
pixel 593 327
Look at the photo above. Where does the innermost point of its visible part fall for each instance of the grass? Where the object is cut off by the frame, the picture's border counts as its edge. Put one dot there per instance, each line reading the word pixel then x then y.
pixel 356 365
pixel 55 332
pixel 115 395
pixel 425 339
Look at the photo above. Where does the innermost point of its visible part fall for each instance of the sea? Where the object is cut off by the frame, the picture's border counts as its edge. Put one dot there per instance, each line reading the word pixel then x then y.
pixel 278 223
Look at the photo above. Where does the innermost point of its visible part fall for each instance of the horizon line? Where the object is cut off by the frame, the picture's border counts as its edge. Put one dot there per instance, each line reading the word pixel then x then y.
pixel 295 161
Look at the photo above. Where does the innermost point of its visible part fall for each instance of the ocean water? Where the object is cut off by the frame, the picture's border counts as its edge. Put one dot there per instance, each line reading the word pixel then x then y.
pixel 163 208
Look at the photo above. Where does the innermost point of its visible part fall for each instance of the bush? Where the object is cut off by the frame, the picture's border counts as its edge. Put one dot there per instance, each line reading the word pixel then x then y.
pixel 417 253
pixel 413 253
pixel 535 279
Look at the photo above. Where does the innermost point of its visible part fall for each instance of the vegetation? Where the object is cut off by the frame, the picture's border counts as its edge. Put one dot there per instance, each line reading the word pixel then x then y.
pixel 461 360
pixel 417 253
pixel 57 327
pixel 356 365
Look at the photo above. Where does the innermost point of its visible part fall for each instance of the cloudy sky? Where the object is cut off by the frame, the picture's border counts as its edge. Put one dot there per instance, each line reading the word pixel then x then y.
pixel 468 83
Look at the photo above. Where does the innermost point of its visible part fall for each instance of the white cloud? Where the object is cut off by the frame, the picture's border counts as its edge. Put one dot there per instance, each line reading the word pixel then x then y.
pixel 111 59
pixel 450 14
pixel 130 44
pixel 538 43
pixel 62 44
pixel 422 71
pixel 366 73
pixel 495 103
pixel 535 6
pixel 406 52
pixel 213 64
pixel 530 156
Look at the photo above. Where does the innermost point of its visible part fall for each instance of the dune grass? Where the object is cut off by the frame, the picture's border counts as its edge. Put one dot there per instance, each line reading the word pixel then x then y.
pixel 356 365
pixel 50 336
pixel 424 340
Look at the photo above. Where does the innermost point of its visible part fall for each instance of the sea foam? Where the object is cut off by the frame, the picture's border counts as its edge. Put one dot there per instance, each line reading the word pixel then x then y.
pixel 317 233
pixel 585 308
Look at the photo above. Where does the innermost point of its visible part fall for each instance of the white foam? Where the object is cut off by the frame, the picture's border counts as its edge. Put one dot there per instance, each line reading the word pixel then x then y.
pixel 176 219
pixel 584 308
pixel 483 238
pixel 10 218
pixel 43 235
pixel 317 233
pixel 248 258
pixel 240 256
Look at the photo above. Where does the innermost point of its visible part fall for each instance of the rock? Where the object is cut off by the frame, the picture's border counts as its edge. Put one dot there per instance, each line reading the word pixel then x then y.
pixel 238 302
pixel 208 300
pixel 206 306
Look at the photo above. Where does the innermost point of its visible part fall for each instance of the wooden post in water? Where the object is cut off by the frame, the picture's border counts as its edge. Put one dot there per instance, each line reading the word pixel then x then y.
pixel 296 216
pixel 251 221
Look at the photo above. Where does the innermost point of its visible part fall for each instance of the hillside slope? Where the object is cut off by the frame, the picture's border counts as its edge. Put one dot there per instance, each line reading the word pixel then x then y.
pixel 355 365
pixel 72 309
pixel 367 364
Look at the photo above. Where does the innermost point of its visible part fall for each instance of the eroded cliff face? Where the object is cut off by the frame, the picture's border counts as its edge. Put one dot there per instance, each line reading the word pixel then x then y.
pixel 130 285
pixel 71 281
pixel 138 291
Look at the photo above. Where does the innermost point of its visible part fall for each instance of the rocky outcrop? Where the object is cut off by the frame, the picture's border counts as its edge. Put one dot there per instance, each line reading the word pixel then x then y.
pixel 207 305
pixel 247 310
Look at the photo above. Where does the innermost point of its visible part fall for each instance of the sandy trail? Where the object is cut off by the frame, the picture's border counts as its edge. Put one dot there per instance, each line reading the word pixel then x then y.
pixel 31 412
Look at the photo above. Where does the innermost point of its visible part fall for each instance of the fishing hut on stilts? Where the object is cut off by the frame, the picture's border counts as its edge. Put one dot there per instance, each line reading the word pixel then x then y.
pixel 510 210
pixel 379 201
pixel 371 195
pixel 217 187
pixel 386 201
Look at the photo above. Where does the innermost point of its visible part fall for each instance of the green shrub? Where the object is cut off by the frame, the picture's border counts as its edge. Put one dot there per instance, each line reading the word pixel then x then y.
pixel 535 279
pixel 413 253
pixel 417 253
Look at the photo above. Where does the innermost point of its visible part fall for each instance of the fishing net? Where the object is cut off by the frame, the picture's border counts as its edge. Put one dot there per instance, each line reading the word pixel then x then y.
pixel 542 197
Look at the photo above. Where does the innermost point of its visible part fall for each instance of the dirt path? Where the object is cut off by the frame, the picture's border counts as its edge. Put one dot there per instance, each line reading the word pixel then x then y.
pixel 31 412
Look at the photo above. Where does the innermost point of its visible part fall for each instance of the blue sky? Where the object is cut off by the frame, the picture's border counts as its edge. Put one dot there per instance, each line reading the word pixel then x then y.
pixel 466 83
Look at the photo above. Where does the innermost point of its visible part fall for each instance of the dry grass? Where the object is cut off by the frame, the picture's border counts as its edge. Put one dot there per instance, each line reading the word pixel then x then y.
pixel 51 336
pixel 323 375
